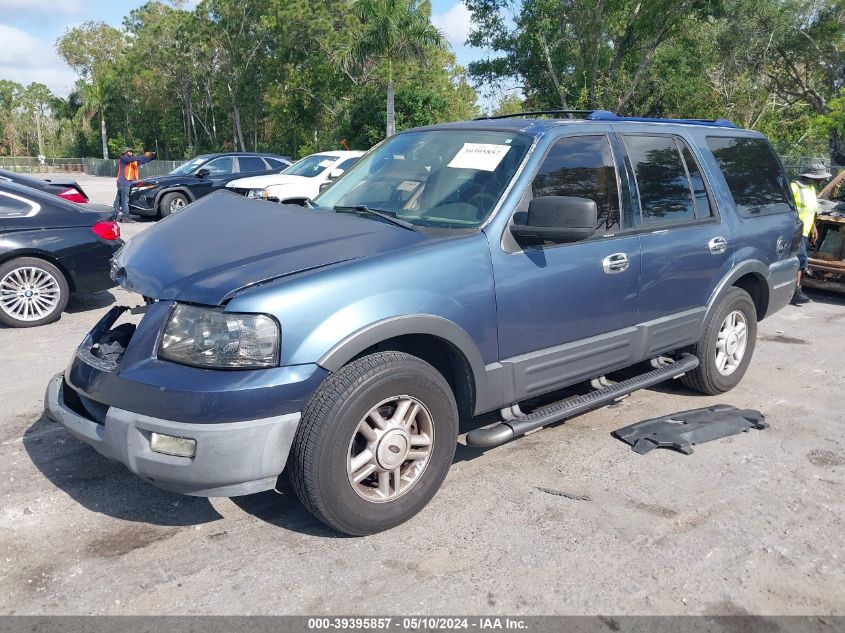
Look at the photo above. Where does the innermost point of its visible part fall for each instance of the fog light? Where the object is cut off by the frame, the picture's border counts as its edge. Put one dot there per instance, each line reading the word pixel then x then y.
pixel 169 445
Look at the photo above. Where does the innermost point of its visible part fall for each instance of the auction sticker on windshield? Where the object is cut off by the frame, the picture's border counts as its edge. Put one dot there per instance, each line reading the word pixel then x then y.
pixel 481 156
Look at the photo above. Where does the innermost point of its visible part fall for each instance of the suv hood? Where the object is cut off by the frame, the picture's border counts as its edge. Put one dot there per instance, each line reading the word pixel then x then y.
pixel 261 182
pixel 224 243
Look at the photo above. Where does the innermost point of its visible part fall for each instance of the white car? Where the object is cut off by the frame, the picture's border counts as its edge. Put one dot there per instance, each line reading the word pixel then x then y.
pixel 301 180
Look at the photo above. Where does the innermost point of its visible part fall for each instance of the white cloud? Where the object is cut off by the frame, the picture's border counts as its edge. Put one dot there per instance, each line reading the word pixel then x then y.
pixel 66 7
pixel 455 24
pixel 25 58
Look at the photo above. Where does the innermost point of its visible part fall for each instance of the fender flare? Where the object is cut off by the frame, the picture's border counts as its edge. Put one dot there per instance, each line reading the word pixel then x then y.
pixel 174 189
pixel 356 342
pixel 753 266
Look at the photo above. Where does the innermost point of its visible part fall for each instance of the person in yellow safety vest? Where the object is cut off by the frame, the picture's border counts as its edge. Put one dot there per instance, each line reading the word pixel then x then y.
pixel 804 192
pixel 127 173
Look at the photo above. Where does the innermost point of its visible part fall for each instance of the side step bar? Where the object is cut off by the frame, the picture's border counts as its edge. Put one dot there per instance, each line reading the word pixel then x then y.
pixel 502 432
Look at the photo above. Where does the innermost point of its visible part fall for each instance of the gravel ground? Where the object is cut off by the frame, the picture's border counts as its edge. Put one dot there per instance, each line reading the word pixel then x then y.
pixel 748 524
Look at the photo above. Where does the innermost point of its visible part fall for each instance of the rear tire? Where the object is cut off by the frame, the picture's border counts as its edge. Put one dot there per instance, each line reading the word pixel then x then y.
pixel 724 353
pixel 375 443
pixel 32 292
pixel 172 203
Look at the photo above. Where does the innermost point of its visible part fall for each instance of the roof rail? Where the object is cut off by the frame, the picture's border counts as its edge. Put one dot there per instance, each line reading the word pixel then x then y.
pixel 570 114
pixel 605 115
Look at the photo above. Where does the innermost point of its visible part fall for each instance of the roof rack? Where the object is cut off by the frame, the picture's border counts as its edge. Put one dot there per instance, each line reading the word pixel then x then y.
pixel 570 114
pixel 605 115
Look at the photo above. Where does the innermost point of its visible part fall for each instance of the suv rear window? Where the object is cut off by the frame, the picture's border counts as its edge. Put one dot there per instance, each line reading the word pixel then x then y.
pixel 754 175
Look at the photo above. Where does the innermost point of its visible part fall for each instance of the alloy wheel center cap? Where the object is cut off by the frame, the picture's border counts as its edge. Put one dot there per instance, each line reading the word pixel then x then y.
pixel 732 343
pixel 393 449
pixel 28 293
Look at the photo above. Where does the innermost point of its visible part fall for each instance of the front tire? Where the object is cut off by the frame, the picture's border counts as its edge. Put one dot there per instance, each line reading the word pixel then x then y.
pixel 375 443
pixel 727 345
pixel 172 203
pixel 32 292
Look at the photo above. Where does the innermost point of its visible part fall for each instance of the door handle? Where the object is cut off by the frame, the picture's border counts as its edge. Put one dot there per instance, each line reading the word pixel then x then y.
pixel 616 263
pixel 718 245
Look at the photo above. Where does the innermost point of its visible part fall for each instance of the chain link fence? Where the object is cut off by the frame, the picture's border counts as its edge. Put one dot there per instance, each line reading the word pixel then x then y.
pixel 100 167
pixel 32 164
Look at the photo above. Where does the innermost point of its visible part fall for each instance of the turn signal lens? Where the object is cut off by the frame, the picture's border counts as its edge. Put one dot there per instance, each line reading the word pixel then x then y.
pixel 107 230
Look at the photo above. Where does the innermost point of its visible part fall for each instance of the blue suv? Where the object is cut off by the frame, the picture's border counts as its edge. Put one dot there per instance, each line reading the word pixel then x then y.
pixel 510 264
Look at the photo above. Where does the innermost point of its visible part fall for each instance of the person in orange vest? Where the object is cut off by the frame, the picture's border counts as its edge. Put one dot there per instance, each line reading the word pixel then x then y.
pixel 127 173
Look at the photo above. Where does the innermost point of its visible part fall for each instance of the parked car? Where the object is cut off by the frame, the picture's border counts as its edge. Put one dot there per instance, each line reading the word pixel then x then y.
pixel 162 195
pixel 455 270
pixel 65 188
pixel 302 180
pixel 49 250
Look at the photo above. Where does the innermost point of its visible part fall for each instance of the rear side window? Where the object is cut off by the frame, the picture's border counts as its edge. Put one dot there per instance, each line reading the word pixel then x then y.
pixel 247 164
pixel 754 175
pixel 671 189
pixel 15 207
pixel 583 167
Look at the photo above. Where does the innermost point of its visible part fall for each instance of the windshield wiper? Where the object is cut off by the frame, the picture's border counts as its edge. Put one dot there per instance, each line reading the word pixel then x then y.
pixel 362 208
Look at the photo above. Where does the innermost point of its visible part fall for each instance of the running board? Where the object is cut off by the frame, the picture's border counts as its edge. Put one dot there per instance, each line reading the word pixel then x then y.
pixel 502 432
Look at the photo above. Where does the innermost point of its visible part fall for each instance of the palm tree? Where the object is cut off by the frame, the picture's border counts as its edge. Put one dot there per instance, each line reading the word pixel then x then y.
pixel 393 31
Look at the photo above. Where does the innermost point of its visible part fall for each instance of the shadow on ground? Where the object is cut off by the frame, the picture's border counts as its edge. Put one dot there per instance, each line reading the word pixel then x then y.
pixel 93 301
pixel 107 487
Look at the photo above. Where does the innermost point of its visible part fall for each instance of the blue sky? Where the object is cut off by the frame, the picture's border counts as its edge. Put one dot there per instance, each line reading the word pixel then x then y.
pixel 29 28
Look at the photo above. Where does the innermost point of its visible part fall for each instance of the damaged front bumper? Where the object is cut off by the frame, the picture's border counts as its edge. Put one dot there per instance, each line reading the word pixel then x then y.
pixel 116 392
pixel 231 459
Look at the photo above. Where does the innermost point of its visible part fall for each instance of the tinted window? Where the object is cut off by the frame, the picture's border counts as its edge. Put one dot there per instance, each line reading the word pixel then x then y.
pixel 250 163
pixel 753 173
pixel 699 191
pixel 275 163
pixel 661 178
pixel 221 166
pixel 583 167
pixel 12 207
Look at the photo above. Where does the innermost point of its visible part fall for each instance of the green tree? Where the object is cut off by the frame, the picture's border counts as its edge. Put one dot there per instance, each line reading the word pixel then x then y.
pixel 391 31
pixel 36 99
pixel 91 50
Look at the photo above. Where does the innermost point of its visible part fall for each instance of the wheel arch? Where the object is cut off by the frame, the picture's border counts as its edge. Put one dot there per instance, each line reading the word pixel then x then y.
pixel 436 340
pixel 753 277
pixel 175 189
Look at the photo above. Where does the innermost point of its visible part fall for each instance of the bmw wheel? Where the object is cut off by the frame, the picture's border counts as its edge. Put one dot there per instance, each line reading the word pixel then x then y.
pixel 32 292
pixel 375 443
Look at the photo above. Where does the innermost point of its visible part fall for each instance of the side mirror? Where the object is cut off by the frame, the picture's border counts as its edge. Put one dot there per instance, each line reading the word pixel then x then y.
pixel 202 173
pixel 334 174
pixel 558 219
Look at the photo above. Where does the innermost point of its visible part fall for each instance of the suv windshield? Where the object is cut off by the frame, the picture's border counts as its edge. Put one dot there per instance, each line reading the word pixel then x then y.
pixel 310 166
pixel 444 178
pixel 190 166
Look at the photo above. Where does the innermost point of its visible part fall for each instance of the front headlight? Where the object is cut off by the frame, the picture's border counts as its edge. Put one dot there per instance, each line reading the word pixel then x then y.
pixel 208 337
pixel 257 193
pixel 143 187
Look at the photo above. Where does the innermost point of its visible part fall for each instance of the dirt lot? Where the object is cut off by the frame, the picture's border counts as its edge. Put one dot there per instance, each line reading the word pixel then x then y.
pixel 749 524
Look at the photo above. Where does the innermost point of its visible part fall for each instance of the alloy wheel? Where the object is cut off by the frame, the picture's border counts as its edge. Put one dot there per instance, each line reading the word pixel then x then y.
pixel 390 449
pixel 29 293
pixel 731 343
